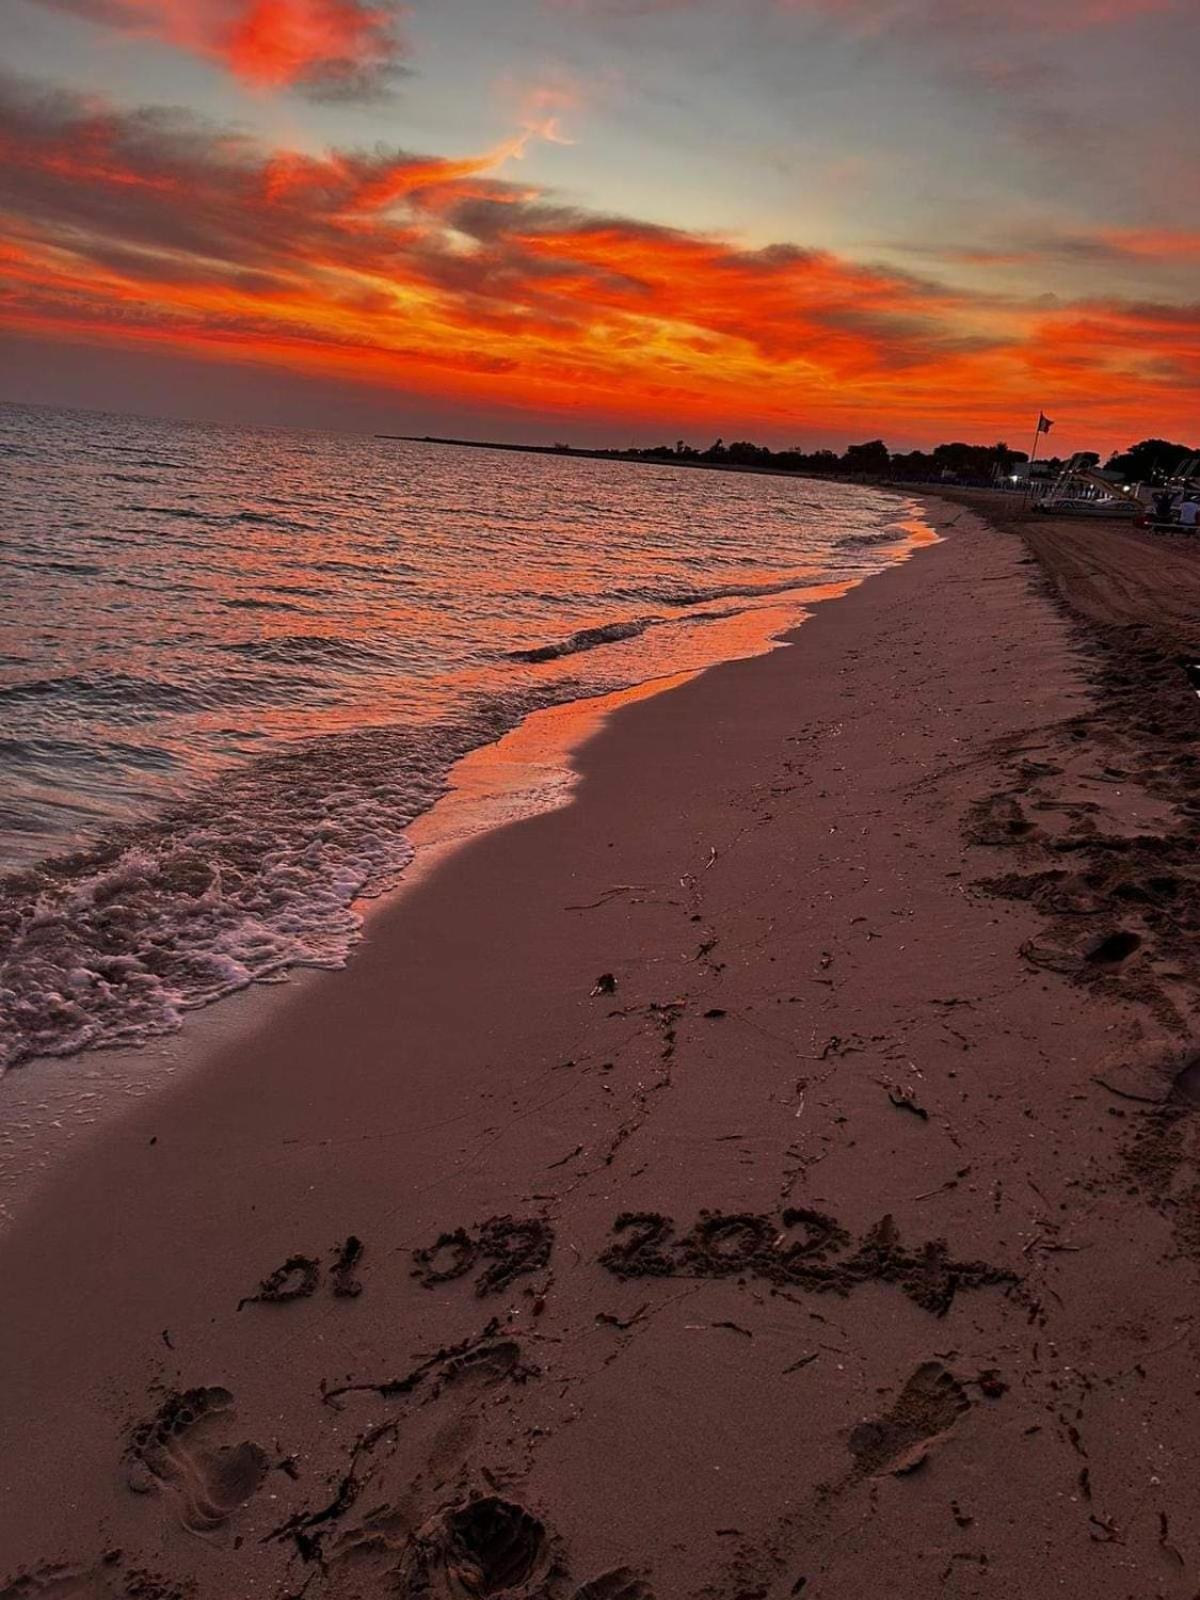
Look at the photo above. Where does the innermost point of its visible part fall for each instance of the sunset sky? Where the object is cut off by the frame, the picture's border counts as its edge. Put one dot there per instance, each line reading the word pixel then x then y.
pixel 801 221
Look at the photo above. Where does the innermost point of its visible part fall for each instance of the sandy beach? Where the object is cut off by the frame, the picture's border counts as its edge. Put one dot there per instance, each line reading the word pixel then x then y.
pixel 774 1173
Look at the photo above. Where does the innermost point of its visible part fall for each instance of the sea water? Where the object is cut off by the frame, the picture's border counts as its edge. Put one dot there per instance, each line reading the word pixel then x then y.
pixel 236 664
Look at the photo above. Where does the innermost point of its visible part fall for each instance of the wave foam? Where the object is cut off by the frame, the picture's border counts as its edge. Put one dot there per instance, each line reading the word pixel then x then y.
pixel 111 945
pixel 865 541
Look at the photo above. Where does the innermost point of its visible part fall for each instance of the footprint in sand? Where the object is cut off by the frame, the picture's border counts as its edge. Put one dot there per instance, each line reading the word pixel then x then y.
pixel 927 1408
pixel 109 1579
pixel 1114 949
pixel 178 1451
pixel 486 1546
pixel 486 1365
pixel 999 820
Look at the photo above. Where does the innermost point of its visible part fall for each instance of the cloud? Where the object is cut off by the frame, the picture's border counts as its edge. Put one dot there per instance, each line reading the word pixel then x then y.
pixel 1154 244
pixel 542 110
pixel 1157 250
pixel 873 18
pixel 444 277
pixel 1036 16
pixel 327 49
pixel 1027 75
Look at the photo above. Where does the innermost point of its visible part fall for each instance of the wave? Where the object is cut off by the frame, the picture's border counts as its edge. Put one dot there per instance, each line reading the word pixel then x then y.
pixel 258 605
pixel 351 569
pixel 585 639
pixel 150 465
pixel 47 751
pixel 306 649
pixel 727 591
pixel 128 699
pixel 271 520
pixel 259 873
pixel 106 690
pixel 83 569
pixel 608 633
pixel 865 541
pixel 185 512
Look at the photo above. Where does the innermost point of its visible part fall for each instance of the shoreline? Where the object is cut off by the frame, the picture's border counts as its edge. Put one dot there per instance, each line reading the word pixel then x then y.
pixel 749 971
pixel 52 1105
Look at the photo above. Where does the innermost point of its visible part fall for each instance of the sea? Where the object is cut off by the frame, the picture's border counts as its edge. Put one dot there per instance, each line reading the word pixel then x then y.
pixel 237 664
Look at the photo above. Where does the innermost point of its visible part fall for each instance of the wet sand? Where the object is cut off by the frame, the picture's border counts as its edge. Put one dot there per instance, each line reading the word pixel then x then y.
pixel 772 1174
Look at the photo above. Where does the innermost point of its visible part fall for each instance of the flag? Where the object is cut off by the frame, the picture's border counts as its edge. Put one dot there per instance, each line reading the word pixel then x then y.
pixel 1044 423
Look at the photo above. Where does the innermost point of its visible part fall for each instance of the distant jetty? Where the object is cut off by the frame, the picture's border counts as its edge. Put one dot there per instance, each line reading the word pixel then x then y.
pixel 631 457
pixel 492 444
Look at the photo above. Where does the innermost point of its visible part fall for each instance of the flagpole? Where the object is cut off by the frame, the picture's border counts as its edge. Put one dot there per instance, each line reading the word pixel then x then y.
pixel 1037 434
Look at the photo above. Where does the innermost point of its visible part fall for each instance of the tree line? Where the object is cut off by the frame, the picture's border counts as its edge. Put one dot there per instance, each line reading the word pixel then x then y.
pixel 1151 461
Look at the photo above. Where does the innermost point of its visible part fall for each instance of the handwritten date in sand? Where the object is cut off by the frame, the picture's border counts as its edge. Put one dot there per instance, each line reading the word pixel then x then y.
pixel 300 1276
pixel 803 1250
pixel 504 1247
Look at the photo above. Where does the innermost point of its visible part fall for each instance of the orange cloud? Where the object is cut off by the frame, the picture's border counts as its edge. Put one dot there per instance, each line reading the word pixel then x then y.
pixel 1155 244
pixel 1155 250
pixel 437 276
pixel 324 47
pixel 542 110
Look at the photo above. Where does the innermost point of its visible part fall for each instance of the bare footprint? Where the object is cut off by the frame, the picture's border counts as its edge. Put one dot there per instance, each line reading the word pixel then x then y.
pixel 927 1408
pixel 54 1582
pixel 177 1450
pixel 998 820
pixel 493 1546
pixel 486 1365
pixel 486 1546
pixel 108 1579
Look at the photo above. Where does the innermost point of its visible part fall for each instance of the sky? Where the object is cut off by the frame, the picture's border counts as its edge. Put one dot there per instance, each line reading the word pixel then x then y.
pixel 802 222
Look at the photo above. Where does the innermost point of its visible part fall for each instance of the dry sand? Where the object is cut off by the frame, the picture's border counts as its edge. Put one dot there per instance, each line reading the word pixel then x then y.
pixel 773 1174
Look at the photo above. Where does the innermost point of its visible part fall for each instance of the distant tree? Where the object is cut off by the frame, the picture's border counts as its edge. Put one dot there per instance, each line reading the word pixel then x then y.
pixel 955 460
pixel 1006 459
pixel 745 454
pixel 872 457
pixel 1151 461
pixel 808 461
pixel 961 460
pixel 913 464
